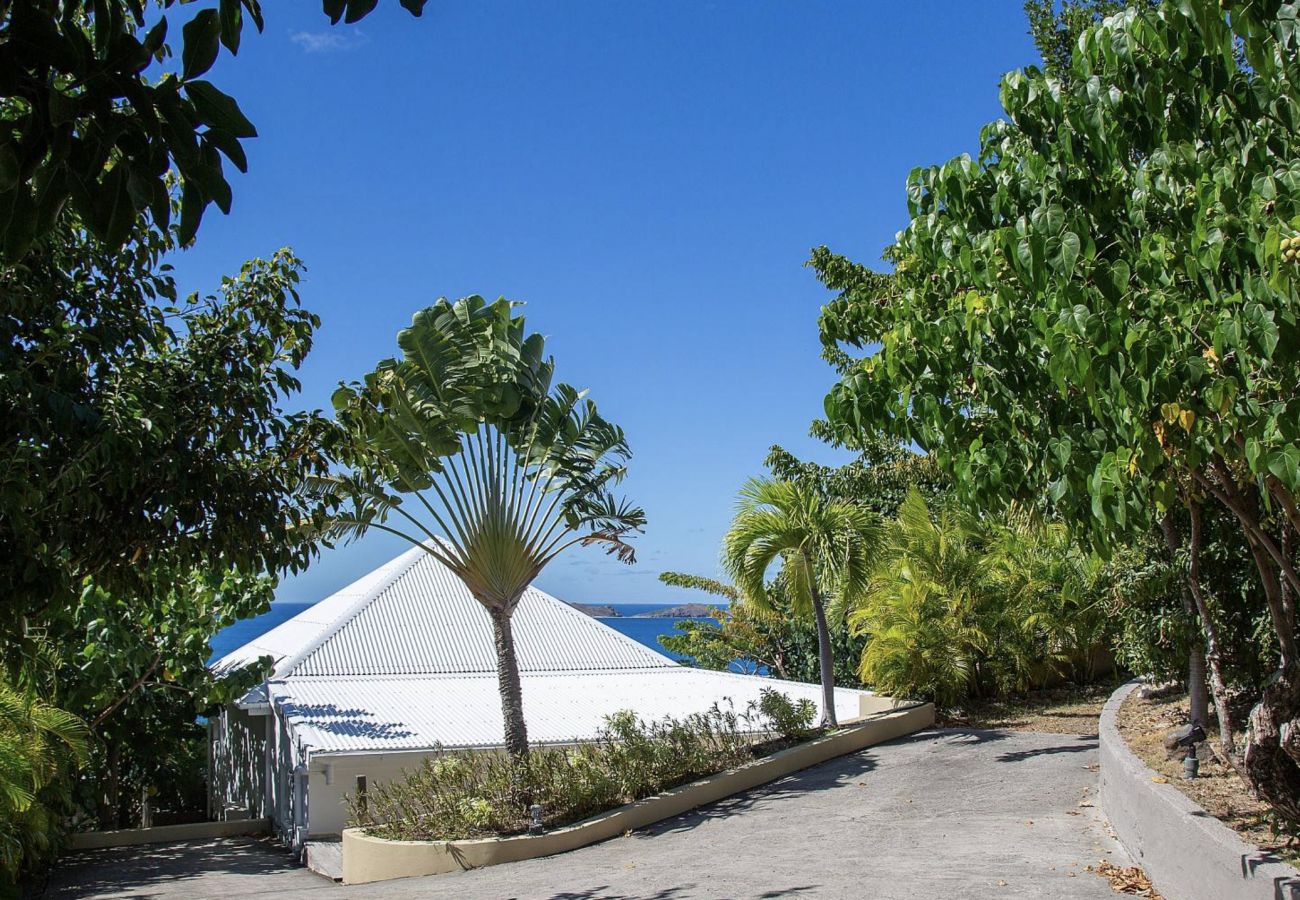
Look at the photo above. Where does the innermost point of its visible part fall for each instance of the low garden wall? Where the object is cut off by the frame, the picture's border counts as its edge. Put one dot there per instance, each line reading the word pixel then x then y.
pixel 191 831
pixel 367 858
pixel 1187 854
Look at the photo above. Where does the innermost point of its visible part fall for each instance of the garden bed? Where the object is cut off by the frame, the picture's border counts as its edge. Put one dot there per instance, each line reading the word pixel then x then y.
pixel 1143 723
pixel 369 858
pixel 1187 853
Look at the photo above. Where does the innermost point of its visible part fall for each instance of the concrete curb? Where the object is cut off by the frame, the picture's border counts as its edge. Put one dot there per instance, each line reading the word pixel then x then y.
pixel 191 831
pixel 367 859
pixel 1187 854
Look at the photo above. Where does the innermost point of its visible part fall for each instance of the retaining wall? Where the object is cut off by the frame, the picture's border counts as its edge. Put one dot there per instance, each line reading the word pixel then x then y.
pixel 191 831
pixel 1187 853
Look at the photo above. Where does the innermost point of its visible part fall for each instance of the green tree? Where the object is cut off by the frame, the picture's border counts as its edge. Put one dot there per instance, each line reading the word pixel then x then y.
pixel 512 470
pixel 769 640
pixel 1099 310
pixel 825 548
pixel 147 432
pixel 154 489
pixel 880 478
pixel 92 116
pixel 1056 26
pixel 962 605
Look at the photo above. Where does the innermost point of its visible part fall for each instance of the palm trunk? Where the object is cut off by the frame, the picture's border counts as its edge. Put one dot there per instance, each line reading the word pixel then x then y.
pixel 512 696
pixel 823 652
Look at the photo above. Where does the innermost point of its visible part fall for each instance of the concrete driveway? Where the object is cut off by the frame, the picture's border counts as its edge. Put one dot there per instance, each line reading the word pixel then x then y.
pixel 944 814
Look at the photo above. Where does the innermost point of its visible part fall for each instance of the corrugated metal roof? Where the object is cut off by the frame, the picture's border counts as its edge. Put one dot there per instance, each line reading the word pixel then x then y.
pixel 290 637
pixel 412 616
pixel 426 622
pixel 350 715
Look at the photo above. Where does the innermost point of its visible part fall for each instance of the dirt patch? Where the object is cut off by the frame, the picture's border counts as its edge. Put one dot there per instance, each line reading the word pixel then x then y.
pixel 1143 723
pixel 1062 710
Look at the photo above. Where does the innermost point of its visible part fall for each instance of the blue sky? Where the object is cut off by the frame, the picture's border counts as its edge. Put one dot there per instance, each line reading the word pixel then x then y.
pixel 648 176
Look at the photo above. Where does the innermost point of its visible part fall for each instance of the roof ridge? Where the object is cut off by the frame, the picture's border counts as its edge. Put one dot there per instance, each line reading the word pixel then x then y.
pixel 416 554
pixel 542 673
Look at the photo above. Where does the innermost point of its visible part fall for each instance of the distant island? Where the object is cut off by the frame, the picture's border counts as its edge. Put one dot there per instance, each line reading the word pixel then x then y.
pixel 595 609
pixel 684 611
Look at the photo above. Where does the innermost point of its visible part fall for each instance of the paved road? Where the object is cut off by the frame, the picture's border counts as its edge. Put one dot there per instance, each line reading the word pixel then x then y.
pixel 943 814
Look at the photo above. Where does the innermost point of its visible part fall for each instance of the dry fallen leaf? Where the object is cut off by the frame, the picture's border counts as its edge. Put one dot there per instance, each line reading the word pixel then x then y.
pixel 1130 880
pixel 1159 779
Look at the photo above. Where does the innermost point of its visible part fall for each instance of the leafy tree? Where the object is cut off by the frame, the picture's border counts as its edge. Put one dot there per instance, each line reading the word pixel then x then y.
pixel 154 489
pixel 92 116
pixel 513 470
pixel 824 547
pixel 135 671
pixel 925 607
pixel 879 479
pixel 148 433
pixel 38 745
pixel 1055 27
pixel 1099 309
pixel 759 641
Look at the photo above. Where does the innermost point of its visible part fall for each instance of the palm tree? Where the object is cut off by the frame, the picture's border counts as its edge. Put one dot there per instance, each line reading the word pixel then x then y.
pixel 825 547
pixel 38 744
pixel 466 432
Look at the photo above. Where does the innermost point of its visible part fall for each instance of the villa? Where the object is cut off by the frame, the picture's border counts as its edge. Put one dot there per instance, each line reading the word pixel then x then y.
pixel 401 663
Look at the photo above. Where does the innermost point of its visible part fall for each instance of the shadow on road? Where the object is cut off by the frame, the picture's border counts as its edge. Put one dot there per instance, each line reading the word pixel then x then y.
pixel 111 871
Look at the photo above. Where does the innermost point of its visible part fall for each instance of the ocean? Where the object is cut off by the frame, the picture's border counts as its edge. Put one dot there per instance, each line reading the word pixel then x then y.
pixel 642 630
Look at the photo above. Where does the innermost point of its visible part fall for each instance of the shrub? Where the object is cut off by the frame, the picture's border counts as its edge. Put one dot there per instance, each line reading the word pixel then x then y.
pixel 39 748
pixel 460 794
pixel 965 606
pixel 791 719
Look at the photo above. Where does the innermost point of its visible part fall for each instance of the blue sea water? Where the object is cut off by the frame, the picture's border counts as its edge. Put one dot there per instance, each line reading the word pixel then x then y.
pixel 643 630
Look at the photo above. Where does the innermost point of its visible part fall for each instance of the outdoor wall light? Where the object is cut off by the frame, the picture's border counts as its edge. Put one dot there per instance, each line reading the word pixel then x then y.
pixel 1188 737
pixel 329 773
pixel 535 826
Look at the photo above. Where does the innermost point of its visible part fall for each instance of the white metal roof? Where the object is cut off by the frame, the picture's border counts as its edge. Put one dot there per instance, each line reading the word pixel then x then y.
pixel 394 714
pixel 414 617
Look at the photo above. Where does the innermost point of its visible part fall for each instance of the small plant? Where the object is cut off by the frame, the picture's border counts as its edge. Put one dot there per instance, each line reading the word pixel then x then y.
pixel 792 719
pixel 454 795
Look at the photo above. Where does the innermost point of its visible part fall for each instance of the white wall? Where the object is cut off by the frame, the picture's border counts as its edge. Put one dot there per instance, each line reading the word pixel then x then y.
pixel 327 813
pixel 236 764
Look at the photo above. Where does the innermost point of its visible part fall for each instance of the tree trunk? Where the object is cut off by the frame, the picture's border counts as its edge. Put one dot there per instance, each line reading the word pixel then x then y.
pixel 1213 645
pixel 827 664
pixel 512 697
pixel 1197 699
pixel 1270 761
pixel 110 797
